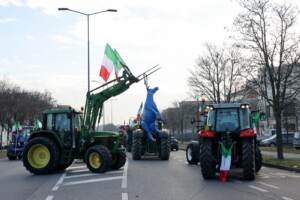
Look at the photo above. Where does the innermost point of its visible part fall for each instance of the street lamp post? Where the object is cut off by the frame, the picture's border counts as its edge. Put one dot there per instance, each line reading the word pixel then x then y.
pixel 88 33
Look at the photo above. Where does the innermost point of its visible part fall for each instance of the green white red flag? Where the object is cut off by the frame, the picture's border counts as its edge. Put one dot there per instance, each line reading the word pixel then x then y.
pixel 139 114
pixel 225 162
pixel 111 61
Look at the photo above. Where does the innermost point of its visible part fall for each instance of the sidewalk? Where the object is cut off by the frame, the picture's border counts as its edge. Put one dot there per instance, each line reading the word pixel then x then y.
pixel 292 156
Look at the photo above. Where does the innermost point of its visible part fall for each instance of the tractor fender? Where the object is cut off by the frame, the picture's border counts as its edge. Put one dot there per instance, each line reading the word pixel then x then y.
pixel 48 134
pixel 164 133
pixel 138 132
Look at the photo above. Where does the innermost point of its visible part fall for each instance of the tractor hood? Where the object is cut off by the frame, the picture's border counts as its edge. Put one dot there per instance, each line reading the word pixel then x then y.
pixel 104 134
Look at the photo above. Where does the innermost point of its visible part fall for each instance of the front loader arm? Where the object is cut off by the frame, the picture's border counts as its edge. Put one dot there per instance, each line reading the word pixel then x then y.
pixel 96 97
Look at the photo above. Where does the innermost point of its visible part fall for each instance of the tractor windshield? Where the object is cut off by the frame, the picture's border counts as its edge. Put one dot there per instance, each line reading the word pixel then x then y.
pixel 227 119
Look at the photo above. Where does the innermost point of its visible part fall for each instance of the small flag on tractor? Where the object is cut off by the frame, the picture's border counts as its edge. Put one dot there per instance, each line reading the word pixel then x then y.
pixel 37 124
pixel 225 162
pixel 139 114
pixel 16 126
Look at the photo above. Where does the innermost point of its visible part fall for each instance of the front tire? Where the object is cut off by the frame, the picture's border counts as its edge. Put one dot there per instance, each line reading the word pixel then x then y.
pixel 248 159
pixel 137 145
pixel 207 159
pixel 192 153
pixel 41 156
pixel 165 147
pixel 120 160
pixel 98 159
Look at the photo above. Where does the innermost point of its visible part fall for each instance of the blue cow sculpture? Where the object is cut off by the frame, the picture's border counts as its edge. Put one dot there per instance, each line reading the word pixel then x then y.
pixel 150 114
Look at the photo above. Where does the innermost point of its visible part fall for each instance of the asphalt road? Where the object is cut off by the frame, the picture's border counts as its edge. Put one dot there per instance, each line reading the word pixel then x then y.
pixel 148 179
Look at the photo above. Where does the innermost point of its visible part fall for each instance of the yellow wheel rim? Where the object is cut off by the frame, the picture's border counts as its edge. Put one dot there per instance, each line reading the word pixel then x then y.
pixel 95 160
pixel 38 156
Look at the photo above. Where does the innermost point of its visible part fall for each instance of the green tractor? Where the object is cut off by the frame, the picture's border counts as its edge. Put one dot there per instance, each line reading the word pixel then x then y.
pixel 67 134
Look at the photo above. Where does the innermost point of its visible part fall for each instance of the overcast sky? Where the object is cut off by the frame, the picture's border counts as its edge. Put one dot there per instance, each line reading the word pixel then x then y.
pixel 45 49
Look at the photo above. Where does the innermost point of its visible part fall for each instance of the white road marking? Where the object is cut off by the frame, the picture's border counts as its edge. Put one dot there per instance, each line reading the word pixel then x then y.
pixel 77 167
pixel 79 170
pixel 257 188
pixel 124 196
pixel 124 180
pixel 286 198
pixel 186 162
pixel 50 197
pixel 92 180
pixel 59 182
pixel 92 174
pixel 269 185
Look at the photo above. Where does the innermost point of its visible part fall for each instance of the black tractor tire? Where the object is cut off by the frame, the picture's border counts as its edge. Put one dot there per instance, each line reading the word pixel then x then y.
pixel 207 159
pixel 62 167
pixel 258 159
pixel 165 146
pixel 248 159
pixel 192 153
pixel 120 160
pixel 137 145
pixel 128 148
pixel 102 154
pixel 11 157
pixel 54 155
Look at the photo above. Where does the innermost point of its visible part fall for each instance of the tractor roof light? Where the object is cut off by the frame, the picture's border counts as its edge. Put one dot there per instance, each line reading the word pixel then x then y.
pixel 243 106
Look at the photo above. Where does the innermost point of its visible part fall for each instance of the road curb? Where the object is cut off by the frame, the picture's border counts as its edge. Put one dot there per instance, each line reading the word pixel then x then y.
pixel 281 167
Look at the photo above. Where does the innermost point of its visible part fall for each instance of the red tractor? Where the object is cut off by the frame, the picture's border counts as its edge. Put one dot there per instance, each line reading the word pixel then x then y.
pixel 231 125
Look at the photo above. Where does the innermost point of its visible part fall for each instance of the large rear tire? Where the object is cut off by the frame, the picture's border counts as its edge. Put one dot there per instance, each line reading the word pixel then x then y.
pixel 137 145
pixel 248 159
pixel 165 146
pixel 258 159
pixel 98 159
pixel 119 160
pixel 41 156
pixel 192 153
pixel 207 159
pixel 11 157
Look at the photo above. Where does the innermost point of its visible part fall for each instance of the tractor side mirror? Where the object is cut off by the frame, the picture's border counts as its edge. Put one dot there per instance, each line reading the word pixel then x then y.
pixel 193 120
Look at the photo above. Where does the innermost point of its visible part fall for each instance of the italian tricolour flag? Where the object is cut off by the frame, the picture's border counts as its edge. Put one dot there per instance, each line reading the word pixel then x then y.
pixel 225 162
pixel 139 114
pixel 111 60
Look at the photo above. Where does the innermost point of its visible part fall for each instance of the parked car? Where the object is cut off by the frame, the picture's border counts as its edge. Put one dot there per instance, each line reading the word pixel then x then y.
pixel 296 141
pixel 270 141
pixel 287 139
pixel 174 144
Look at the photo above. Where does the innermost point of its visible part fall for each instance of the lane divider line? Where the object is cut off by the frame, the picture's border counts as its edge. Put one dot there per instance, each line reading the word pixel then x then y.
pixel 286 198
pixel 124 196
pixel 77 167
pixel 49 197
pixel 257 188
pixel 92 174
pixel 59 182
pixel 269 185
pixel 124 179
pixel 92 181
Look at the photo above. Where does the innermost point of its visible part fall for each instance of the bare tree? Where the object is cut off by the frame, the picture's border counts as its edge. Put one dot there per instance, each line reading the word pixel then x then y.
pixel 20 104
pixel 266 32
pixel 217 74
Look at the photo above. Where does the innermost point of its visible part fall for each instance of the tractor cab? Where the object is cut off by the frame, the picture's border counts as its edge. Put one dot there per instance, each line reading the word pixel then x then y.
pixel 65 123
pixel 229 119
